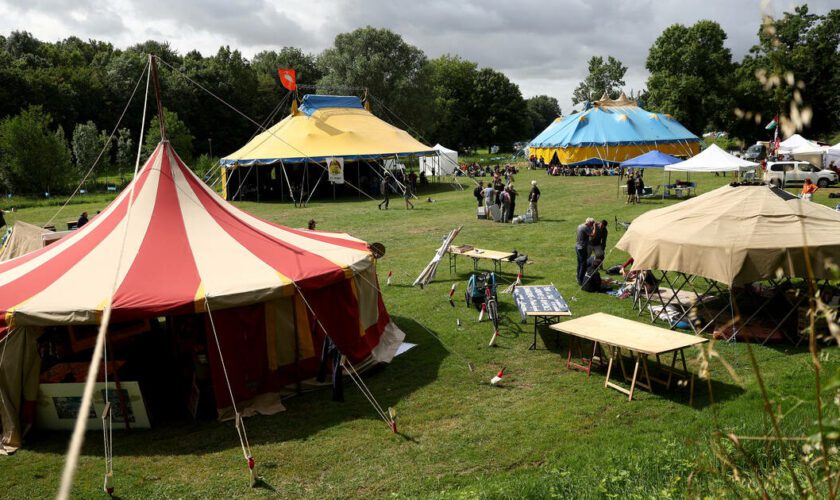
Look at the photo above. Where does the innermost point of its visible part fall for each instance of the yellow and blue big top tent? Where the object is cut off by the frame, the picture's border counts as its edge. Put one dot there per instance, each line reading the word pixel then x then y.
pixel 611 131
pixel 326 126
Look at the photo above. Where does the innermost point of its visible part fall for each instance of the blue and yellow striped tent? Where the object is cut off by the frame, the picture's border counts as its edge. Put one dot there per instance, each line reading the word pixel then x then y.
pixel 610 132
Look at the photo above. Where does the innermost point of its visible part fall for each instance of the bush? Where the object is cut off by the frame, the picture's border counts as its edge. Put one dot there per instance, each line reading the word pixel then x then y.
pixel 33 159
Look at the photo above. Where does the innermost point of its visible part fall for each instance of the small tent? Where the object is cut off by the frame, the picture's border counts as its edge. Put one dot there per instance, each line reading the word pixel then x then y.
pixel 609 132
pixel 22 239
pixel 796 141
pixel 712 159
pixel 262 298
pixel 651 159
pixel 445 163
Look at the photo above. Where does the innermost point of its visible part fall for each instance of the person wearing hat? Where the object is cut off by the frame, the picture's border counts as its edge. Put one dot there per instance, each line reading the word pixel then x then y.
pixel 808 190
pixel 533 198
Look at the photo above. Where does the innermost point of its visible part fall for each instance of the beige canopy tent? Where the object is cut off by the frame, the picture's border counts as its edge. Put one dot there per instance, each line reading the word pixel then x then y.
pixel 24 238
pixel 736 235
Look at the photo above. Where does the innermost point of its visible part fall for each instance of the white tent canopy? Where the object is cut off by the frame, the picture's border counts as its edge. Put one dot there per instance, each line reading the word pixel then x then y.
pixel 796 141
pixel 444 163
pixel 712 159
pixel 833 154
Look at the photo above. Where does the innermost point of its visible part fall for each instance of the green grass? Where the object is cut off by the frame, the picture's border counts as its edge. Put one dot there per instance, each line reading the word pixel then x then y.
pixel 548 432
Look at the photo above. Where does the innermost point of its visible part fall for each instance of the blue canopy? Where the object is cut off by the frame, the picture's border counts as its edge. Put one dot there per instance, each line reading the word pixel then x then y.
pixel 651 159
pixel 608 125
pixel 313 102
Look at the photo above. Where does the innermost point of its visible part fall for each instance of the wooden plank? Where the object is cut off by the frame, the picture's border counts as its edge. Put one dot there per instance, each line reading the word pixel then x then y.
pixel 627 334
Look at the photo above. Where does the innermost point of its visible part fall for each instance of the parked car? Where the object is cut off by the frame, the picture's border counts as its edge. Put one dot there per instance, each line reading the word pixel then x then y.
pixel 756 152
pixel 781 173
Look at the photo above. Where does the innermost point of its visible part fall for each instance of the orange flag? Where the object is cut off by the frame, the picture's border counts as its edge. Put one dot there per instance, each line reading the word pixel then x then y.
pixel 287 78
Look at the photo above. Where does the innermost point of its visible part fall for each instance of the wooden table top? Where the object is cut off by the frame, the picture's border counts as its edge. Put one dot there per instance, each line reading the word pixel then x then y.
pixel 627 334
pixel 480 253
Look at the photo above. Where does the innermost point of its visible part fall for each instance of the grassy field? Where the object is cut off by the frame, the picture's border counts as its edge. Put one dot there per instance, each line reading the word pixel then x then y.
pixel 547 432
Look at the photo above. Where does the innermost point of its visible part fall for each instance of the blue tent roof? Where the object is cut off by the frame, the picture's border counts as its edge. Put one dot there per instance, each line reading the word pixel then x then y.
pixel 651 159
pixel 612 125
pixel 312 103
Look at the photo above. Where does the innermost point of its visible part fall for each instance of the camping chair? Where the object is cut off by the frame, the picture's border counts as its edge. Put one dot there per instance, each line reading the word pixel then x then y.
pixel 652 193
pixel 621 225
pixel 496 213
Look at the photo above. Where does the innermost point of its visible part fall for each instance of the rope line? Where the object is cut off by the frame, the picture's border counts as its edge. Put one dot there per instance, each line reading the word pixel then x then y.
pixel 78 436
pixel 102 151
pixel 240 426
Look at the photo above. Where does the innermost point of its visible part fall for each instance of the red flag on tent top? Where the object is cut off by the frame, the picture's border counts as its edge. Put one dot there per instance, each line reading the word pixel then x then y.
pixel 287 78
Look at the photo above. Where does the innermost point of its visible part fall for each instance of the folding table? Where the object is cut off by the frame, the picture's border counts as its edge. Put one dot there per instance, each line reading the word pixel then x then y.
pixel 641 340
pixel 476 254
pixel 541 302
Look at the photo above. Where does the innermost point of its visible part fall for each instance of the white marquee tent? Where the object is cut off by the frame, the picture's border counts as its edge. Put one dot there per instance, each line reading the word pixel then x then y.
pixel 712 159
pixel 797 142
pixel 444 163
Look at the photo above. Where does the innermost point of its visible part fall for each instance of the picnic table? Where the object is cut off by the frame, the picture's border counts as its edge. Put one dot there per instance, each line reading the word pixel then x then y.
pixel 680 190
pixel 541 302
pixel 477 254
pixel 641 341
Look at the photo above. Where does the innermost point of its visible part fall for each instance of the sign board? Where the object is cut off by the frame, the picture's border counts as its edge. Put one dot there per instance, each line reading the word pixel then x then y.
pixel 335 167
pixel 59 404
pixel 540 300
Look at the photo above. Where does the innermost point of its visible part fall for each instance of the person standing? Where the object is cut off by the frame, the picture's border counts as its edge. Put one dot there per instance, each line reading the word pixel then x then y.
pixel 407 195
pixel 2 219
pixel 478 193
pixel 512 195
pixel 533 199
pixel 584 234
pixel 631 190
pixel 504 201
pixel 640 187
pixel 385 190
pixel 599 239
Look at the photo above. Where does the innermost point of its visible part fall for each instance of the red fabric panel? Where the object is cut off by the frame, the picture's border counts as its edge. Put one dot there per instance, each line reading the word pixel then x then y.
pixel 307 269
pixel 337 310
pixel 163 276
pixel 242 336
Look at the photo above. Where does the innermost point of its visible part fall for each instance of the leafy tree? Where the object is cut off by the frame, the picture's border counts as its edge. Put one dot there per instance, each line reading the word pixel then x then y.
pixel 452 81
pixel 379 60
pixel 691 76
pixel 267 62
pixel 801 50
pixel 497 110
pixel 177 133
pixel 33 159
pixel 87 143
pixel 542 110
pixel 604 76
pixel 125 150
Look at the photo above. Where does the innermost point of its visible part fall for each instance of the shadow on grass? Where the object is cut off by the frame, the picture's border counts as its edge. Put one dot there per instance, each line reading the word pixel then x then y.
pixel 305 417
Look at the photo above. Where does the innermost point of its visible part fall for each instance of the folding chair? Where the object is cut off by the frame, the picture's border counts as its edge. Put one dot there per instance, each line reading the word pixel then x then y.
pixel 621 225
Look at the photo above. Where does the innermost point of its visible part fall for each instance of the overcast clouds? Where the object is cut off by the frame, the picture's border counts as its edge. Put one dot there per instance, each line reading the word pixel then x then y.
pixel 543 46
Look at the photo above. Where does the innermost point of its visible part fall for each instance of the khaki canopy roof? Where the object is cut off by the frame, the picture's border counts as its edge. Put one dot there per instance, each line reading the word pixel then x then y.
pixel 736 235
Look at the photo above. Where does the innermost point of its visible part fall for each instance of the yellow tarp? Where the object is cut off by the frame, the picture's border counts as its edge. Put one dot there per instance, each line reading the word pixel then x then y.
pixel 351 133
pixel 614 154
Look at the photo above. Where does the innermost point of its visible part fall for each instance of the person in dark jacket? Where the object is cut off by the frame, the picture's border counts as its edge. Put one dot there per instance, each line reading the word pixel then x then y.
pixel 478 192
pixel 83 219
pixel 533 199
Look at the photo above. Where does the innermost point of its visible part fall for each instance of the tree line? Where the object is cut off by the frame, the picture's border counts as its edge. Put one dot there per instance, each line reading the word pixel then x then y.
pixel 59 102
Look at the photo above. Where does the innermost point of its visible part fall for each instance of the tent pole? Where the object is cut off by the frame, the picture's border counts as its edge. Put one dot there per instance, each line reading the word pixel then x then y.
pixel 358 180
pixel 258 185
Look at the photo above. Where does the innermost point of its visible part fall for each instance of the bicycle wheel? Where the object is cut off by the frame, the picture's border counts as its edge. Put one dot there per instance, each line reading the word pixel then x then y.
pixel 493 312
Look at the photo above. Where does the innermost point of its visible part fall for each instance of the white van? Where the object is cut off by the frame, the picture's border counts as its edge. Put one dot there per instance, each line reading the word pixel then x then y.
pixel 782 173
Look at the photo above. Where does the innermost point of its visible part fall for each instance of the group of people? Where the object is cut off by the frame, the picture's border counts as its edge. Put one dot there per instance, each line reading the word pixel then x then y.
pixel 476 170
pixel 503 196
pixel 391 184
pixel 567 171
pixel 590 247
pixel 635 187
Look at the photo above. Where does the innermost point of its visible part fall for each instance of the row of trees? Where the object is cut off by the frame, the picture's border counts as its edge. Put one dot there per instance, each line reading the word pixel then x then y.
pixel 694 78
pixel 82 87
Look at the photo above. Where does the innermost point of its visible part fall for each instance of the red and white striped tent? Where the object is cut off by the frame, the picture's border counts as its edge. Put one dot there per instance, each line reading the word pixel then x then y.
pixel 173 247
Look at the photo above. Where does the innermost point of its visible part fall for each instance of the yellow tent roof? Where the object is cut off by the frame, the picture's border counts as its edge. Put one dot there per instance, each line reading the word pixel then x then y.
pixel 328 126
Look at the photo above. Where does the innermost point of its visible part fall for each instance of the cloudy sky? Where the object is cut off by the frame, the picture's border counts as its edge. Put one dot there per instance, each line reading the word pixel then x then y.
pixel 543 46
